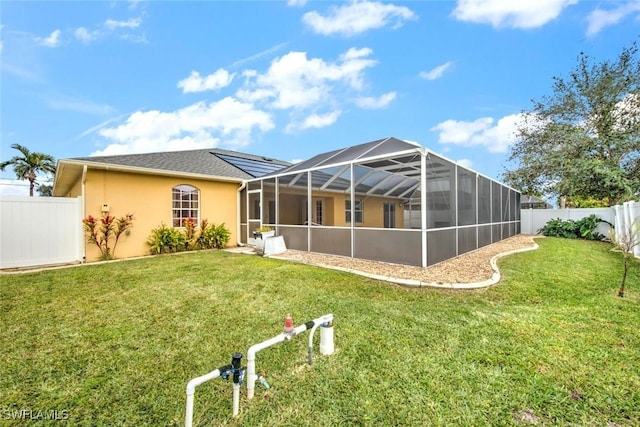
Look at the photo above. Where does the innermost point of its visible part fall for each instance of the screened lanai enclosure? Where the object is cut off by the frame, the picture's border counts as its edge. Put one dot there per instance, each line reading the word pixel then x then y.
pixel 386 200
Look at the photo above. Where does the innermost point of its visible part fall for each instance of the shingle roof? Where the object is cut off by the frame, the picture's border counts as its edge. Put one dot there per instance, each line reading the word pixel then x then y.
pixel 204 161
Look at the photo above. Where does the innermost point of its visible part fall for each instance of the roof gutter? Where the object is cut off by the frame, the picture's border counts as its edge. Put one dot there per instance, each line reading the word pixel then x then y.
pixel 148 171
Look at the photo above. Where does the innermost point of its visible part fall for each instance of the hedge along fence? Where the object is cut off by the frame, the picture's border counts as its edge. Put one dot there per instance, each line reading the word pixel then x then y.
pixel 533 220
pixel 626 216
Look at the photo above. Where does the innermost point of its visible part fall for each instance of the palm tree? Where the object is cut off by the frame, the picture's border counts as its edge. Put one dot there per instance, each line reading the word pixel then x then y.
pixel 29 165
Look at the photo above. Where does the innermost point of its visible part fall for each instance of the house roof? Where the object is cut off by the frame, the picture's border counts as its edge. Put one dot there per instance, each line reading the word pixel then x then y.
pixel 209 163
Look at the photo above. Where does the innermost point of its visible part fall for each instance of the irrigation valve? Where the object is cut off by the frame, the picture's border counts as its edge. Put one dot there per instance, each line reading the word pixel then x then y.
pixel 264 382
pixel 288 325
pixel 236 369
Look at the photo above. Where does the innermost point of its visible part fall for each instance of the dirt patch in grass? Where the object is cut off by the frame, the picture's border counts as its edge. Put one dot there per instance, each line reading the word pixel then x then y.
pixel 468 268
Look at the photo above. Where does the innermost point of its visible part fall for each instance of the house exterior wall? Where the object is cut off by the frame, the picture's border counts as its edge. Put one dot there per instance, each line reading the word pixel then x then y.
pixel 76 189
pixel 292 209
pixel 149 199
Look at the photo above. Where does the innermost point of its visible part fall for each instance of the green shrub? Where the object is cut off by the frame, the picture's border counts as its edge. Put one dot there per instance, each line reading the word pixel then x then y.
pixel 165 240
pixel 584 228
pixel 213 236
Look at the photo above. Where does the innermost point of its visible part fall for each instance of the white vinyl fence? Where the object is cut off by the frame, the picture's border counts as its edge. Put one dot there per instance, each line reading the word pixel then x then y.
pixel 621 216
pixel 40 231
pixel 627 216
pixel 533 220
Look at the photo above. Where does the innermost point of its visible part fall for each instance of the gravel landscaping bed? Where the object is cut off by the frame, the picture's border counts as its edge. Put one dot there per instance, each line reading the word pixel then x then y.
pixel 467 268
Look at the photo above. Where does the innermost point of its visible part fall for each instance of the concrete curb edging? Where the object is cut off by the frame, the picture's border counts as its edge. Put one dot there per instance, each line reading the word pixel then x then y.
pixel 495 277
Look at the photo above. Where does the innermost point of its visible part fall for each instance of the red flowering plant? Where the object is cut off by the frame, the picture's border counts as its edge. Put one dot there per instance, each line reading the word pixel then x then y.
pixel 105 230
pixel 190 233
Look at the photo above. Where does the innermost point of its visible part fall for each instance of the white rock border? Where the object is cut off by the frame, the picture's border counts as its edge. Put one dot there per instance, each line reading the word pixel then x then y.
pixel 495 277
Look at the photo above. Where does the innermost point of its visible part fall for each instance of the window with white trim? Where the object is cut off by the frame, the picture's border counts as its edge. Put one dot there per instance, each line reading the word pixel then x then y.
pixel 357 211
pixel 185 204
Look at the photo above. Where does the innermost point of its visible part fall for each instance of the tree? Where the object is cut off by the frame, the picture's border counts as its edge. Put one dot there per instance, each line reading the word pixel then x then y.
pixel 29 165
pixel 625 243
pixel 45 190
pixel 583 140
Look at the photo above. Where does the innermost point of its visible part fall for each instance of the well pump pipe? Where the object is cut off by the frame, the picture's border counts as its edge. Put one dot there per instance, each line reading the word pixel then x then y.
pixel 285 336
pixel 313 330
pixel 191 390
pixel 238 373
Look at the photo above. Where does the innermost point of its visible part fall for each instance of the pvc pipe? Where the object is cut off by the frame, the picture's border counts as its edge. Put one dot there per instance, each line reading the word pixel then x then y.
pixel 251 361
pixel 251 353
pixel 326 339
pixel 313 330
pixel 191 390
pixel 236 399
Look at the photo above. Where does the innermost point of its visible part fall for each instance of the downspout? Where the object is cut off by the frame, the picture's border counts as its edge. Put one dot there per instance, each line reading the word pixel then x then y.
pixel 84 209
pixel 239 213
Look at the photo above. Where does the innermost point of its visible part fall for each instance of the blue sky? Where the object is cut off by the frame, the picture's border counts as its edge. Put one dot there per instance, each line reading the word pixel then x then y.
pixel 288 79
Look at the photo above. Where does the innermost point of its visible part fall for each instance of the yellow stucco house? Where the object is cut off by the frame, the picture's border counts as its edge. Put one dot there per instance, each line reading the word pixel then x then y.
pixel 387 200
pixel 160 188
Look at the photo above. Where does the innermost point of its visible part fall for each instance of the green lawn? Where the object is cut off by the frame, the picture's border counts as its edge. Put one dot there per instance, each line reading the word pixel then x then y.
pixel 115 344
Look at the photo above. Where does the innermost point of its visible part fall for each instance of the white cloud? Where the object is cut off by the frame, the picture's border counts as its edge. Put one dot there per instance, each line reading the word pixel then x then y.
pixel 135 38
pixel 130 23
pixel 436 72
pixel 23 73
pixel 523 14
pixel 66 103
pixel 99 126
pixel 133 4
pixel 296 2
pixel 314 121
pixel 481 132
pixel 372 103
pixel 358 17
pixel 52 41
pixel 321 120
pixel 195 83
pixel 84 35
pixel 295 82
pixel 599 18
pixel 199 125
pixel 259 55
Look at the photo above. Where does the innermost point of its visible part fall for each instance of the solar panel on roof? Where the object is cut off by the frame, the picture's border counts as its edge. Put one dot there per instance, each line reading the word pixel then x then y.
pixel 255 168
